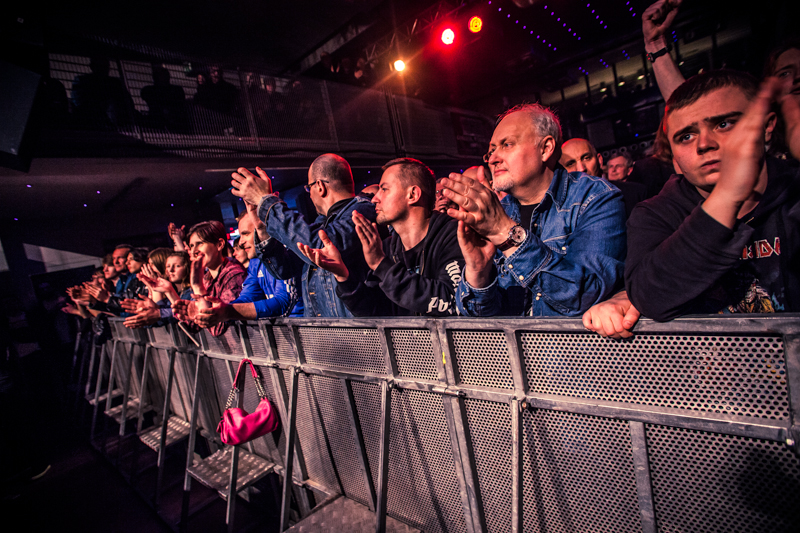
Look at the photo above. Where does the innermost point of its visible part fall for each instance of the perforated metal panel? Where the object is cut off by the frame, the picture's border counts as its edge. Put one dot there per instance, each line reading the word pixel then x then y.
pixel 331 398
pixel 423 486
pixel 481 359
pixel 736 375
pixel 490 432
pixel 710 482
pixel 283 344
pixel 312 438
pixel 263 446
pixel 228 343
pixel 349 348
pixel 578 474
pixel 256 341
pixel 413 352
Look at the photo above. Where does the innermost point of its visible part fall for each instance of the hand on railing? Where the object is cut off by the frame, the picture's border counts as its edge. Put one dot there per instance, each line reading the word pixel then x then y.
pixel 327 258
pixel 249 187
pixel 144 312
pixel 213 315
pixel 613 318
pixel 178 236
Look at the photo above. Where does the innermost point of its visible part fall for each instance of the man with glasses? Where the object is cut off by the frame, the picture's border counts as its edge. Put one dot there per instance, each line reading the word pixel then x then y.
pixel 330 185
pixel 555 245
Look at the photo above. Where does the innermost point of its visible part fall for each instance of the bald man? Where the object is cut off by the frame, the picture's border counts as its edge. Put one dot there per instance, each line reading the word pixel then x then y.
pixel 330 185
pixel 578 155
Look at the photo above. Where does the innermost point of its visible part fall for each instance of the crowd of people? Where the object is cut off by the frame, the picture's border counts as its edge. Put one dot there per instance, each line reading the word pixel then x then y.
pixel 535 231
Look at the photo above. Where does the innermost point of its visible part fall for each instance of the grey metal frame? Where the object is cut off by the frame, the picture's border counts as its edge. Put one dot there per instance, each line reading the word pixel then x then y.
pixel 459 388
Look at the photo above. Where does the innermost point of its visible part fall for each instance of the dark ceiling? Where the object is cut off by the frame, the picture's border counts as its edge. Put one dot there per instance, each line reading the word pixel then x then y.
pixel 540 44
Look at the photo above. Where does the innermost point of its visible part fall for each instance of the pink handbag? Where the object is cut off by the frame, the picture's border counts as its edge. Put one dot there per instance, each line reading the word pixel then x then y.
pixel 237 426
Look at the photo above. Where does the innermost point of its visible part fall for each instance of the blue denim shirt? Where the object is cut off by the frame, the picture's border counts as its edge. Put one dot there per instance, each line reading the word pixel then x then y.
pixel 283 259
pixel 270 296
pixel 573 257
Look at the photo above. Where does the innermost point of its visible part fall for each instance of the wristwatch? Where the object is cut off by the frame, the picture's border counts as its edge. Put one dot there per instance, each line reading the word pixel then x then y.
pixel 655 55
pixel 516 236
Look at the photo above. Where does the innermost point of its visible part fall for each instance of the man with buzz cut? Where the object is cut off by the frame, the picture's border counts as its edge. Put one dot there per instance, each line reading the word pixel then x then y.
pixel 722 236
pixel 415 271
pixel 331 188
pixel 555 245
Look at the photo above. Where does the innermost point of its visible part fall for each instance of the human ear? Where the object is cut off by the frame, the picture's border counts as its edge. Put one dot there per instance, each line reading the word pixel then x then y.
pixel 414 194
pixel 548 147
pixel 769 128
pixel 600 159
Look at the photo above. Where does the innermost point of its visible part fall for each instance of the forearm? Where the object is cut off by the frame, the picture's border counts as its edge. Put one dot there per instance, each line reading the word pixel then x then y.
pixel 241 311
pixel 668 270
pixel 668 75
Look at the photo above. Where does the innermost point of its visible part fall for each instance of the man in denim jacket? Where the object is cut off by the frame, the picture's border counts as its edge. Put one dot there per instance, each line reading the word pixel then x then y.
pixel 330 185
pixel 555 245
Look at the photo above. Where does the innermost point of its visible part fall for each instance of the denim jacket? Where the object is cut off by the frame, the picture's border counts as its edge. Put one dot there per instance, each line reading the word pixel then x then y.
pixel 283 259
pixel 572 258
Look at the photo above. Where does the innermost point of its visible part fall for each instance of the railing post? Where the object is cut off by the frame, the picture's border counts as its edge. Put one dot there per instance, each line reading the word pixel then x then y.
pixel 383 466
pixel 516 467
pixel 644 488
pixel 791 347
pixel 289 459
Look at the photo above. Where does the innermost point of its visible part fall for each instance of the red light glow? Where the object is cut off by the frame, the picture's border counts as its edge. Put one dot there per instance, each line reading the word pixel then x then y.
pixel 475 24
pixel 448 36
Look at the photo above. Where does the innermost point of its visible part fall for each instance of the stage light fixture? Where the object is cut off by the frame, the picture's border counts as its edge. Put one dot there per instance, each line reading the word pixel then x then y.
pixel 448 36
pixel 399 65
pixel 475 24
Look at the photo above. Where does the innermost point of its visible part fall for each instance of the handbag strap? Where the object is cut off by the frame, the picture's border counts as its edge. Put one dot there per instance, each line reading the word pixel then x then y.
pixel 262 394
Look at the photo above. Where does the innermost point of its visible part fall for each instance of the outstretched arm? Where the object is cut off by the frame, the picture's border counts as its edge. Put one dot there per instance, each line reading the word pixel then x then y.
pixel 656 21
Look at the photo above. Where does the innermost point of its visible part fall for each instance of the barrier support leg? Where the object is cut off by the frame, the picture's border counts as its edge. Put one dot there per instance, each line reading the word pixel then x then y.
pixel 289 459
pixel 383 467
pixel 187 478
pixel 231 510
pixel 162 446
pixel 644 489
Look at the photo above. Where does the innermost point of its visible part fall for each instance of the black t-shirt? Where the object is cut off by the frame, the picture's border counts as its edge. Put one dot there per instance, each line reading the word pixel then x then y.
pixel 526 214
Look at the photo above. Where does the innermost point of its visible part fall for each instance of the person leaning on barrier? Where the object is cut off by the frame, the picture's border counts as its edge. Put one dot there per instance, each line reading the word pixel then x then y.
pixel 723 236
pixel 262 295
pixel 414 271
pixel 213 277
pixel 555 245
pixel 330 185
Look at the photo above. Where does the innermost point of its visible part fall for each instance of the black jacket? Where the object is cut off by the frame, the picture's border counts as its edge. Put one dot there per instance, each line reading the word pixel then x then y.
pixel 681 261
pixel 397 288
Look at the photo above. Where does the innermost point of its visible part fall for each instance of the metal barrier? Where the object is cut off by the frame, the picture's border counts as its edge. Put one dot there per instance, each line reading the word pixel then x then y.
pixel 533 425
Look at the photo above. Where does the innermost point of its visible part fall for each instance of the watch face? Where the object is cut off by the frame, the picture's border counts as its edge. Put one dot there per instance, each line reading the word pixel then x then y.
pixel 518 234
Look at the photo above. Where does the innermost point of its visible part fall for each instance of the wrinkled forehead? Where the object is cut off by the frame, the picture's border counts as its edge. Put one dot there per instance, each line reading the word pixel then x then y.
pixel 577 149
pixel 789 58
pixel 716 103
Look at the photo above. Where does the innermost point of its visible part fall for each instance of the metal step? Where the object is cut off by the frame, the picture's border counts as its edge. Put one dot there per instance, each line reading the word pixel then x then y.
pixel 343 514
pixel 177 429
pixel 215 470
pixel 103 397
pixel 132 410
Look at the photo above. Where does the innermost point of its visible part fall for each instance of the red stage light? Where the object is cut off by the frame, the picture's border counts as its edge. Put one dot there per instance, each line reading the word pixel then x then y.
pixel 448 36
pixel 475 24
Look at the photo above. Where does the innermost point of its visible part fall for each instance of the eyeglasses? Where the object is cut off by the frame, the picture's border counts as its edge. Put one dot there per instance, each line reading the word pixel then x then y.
pixel 308 187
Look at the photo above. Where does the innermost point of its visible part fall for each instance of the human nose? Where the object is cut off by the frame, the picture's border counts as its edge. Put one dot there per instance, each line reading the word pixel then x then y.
pixel 580 167
pixel 706 141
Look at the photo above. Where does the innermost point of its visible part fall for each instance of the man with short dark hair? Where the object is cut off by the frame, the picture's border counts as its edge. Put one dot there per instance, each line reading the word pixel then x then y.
pixel 556 243
pixel 330 186
pixel 415 271
pixel 722 237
